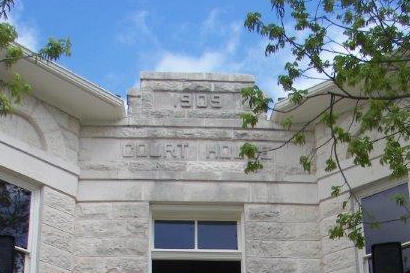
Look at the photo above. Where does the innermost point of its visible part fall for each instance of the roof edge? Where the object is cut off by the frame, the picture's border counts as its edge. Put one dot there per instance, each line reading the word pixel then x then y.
pixel 197 76
pixel 79 81
pixel 319 88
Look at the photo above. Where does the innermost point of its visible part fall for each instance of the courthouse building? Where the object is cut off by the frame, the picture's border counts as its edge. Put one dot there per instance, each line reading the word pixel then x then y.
pixel 156 184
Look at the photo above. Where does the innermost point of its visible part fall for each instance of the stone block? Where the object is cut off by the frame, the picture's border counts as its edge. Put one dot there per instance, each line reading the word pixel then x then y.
pixel 333 245
pixel 153 85
pixel 55 143
pixel 281 231
pixel 213 114
pixel 131 210
pixel 283 249
pixel 101 228
pixel 56 257
pixel 339 260
pixel 59 201
pixel 309 266
pixel 57 238
pixel 58 219
pixel 165 113
pixel 125 265
pixel 89 265
pixel 173 76
pixel 332 206
pixel 138 228
pixel 282 213
pixel 265 265
pixel 71 140
pixel 230 86
pixel 88 211
pixel 116 247
pixel 326 224
pixel 48 268
pixel 147 100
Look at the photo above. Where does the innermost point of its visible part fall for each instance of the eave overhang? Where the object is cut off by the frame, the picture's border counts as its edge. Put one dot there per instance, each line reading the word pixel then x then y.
pixel 319 101
pixel 67 91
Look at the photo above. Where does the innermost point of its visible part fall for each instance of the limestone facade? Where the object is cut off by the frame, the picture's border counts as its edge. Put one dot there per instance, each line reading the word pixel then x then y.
pixel 177 145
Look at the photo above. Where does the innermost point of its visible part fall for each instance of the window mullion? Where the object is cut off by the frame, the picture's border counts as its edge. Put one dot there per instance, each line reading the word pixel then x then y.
pixel 196 234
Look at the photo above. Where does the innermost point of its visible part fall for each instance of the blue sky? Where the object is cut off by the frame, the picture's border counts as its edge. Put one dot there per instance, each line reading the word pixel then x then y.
pixel 114 40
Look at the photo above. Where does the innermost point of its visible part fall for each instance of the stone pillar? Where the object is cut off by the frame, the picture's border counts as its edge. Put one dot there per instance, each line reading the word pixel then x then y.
pixel 282 238
pixel 112 237
pixel 56 232
pixel 337 255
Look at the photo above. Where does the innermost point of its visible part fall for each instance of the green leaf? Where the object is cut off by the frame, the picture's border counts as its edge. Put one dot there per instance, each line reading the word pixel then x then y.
pixel 256 99
pixel 55 49
pixel 253 166
pixel 336 191
pixel 248 150
pixel 330 165
pixel 13 54
pixel 287 122
pixel 8 35
pixel 360 148
pixel 329 119
pixel 341 134
pixel 305 162
pixel 248 119
pixel 299 138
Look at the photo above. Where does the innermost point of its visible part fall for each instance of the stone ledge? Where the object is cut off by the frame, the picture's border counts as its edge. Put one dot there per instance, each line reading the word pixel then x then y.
pixel 148 75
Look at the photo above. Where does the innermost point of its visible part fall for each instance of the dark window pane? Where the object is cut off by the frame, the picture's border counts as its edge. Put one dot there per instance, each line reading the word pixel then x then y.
pixel 217 235
pixel 14 212
pixel 406 259
pixel 382 209
pixel 174 234
pixel 161 266
pixel 19 263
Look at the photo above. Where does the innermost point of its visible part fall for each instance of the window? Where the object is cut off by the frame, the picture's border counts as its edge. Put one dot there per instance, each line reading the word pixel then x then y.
pixel 16 207
pixel 195 234
pixel 196 239
pixel 217 235
pixel 382 209
pixel 174 234
pixel 196 266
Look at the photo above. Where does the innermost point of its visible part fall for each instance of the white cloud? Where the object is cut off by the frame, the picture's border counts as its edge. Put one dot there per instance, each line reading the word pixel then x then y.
pixel 135 30
pixel 234 39
pixel 206 62
pixel 221 49
pixel 28 36
pixel 27 32
pixel 209 60
pixel 210 24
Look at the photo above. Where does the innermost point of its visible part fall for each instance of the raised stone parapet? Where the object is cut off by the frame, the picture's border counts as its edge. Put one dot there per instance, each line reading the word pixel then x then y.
pixel 188 95
pixel 186 127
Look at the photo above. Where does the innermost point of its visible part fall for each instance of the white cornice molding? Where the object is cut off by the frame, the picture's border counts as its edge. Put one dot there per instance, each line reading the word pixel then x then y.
pixel 68 91
pixel 67 75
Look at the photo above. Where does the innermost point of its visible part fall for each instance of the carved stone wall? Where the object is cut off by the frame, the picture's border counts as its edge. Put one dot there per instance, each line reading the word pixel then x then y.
pixel 180 144
pixel 44 127
pixel 184 127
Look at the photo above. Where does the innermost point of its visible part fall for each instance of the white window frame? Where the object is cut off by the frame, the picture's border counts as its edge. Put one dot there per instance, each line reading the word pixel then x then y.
pixel 369 190
pixel 198 213
pixel 30 253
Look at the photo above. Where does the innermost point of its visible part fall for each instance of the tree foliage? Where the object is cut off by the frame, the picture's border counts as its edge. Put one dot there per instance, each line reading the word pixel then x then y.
pixel 12 90
pixel 363 48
